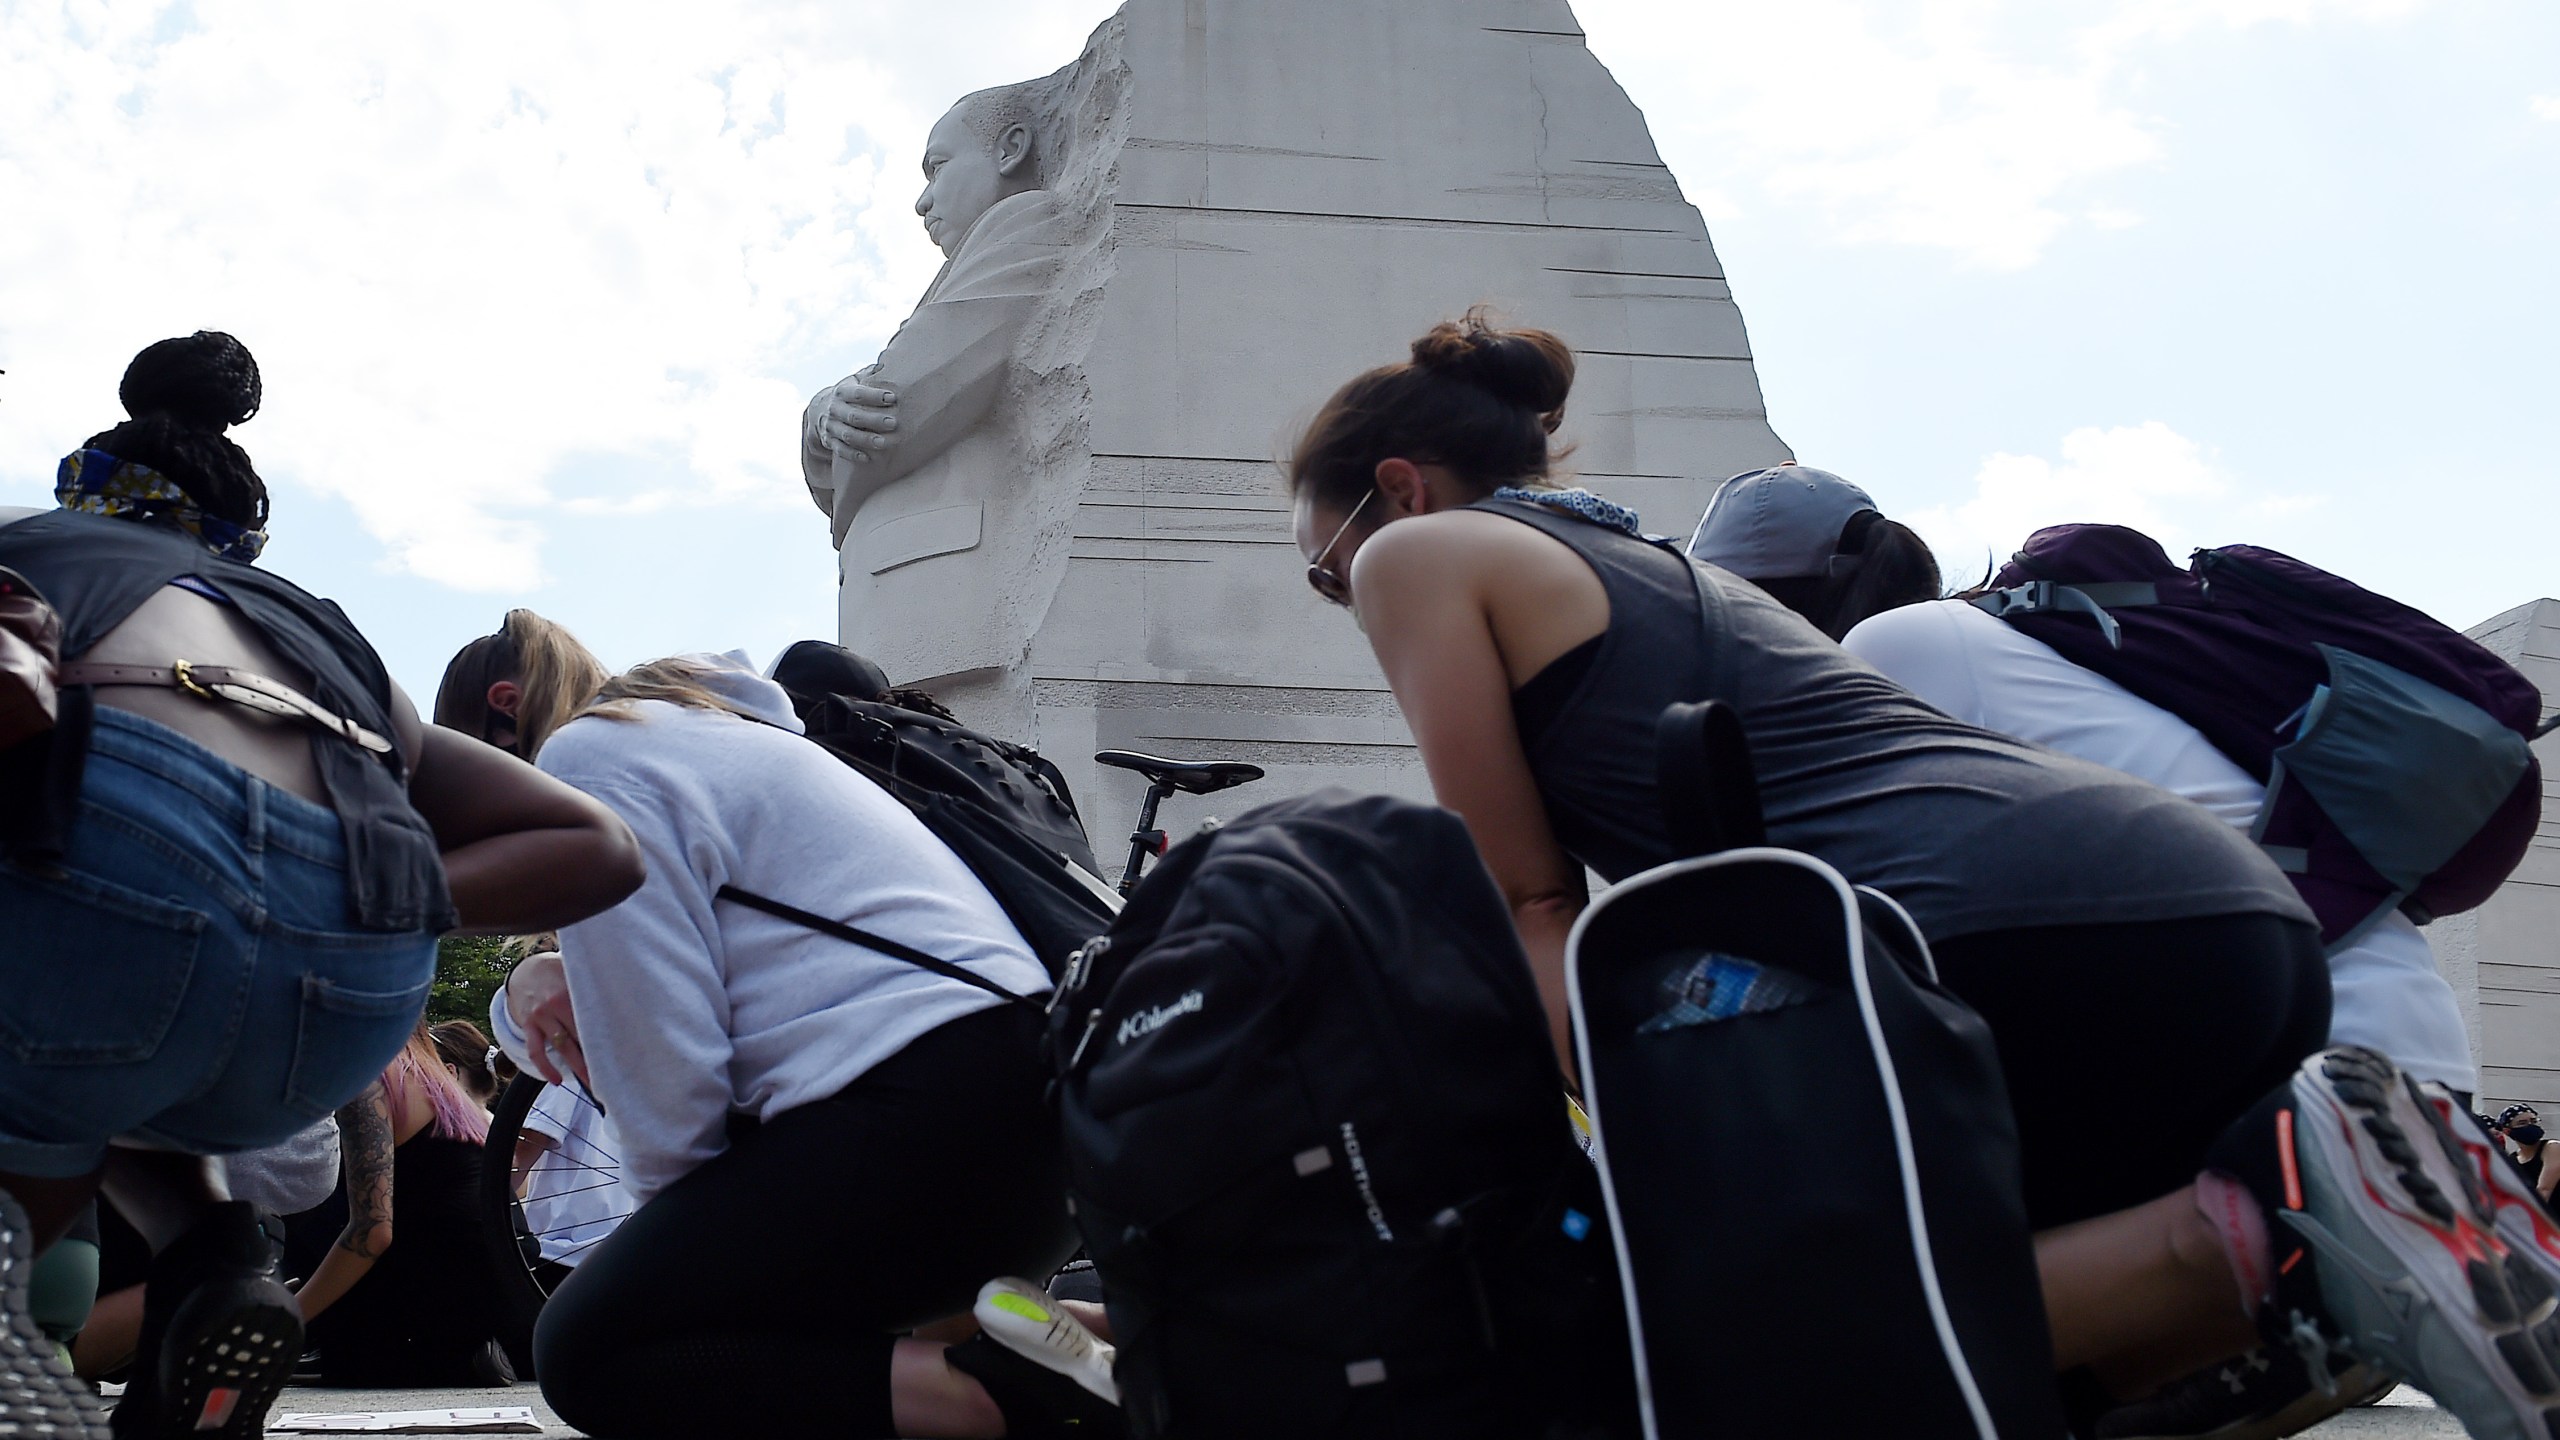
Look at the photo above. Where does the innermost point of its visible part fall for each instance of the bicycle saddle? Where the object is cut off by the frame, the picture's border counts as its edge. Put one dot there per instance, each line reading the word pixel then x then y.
pixel 1193 777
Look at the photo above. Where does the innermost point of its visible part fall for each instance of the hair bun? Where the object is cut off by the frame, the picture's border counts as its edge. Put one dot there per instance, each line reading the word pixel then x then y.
pixel 204 381
pixel 1529 369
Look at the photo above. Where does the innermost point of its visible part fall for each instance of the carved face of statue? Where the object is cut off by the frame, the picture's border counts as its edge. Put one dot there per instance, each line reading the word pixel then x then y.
pixel 964 175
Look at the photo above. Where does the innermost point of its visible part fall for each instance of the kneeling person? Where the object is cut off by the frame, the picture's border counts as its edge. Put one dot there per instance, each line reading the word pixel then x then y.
pixel 829 1147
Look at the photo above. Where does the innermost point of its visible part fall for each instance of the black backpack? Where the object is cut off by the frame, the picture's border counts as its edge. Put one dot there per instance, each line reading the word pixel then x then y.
pixel 1318 1145
pixel 1003 808
pixel 1811 1162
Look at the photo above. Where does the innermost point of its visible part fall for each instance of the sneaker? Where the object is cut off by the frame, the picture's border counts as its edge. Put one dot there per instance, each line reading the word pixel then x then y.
pixel 220 1333
pixel 491 1369
pixel 1024 1318
pixel 2262 1395
pixel 39 1396
pixel 2523 1222
pixel 1037 1402
pixel 2405 1269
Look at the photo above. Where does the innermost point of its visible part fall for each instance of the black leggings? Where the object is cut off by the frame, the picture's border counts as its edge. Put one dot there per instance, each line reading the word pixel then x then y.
pixel 763 1292
pixel 2129 1048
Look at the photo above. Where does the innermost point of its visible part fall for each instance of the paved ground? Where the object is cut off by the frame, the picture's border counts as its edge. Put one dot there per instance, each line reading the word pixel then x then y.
pixel 2403 1415
pixel 2406 1415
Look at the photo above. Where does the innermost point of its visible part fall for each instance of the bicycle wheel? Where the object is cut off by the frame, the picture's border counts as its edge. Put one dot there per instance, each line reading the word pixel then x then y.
pixel 535 1255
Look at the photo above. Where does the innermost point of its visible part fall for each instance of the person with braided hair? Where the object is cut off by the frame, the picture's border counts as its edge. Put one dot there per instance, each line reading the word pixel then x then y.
pixel 229 861
pixel 171 461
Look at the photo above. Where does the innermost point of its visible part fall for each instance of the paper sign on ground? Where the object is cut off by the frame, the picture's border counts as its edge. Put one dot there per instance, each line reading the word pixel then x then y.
pixel 506 1420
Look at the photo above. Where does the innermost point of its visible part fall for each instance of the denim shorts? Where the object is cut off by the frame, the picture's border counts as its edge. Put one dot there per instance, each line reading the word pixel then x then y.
pixel 189 977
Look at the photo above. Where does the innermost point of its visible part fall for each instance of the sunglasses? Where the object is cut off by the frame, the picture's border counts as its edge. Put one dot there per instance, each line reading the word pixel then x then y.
pixel 1332 587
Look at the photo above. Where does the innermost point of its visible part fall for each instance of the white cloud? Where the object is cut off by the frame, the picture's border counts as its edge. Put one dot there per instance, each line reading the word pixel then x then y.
pixel 507 266
pixel 2147 476
pixel 1974 127
pixel 471 241
pixel 2545 107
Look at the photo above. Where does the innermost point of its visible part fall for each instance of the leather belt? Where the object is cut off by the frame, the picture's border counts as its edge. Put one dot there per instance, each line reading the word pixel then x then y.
pixel 222 682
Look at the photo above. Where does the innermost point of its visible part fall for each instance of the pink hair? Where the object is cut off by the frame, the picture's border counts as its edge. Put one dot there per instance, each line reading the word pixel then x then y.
pixel 419 1070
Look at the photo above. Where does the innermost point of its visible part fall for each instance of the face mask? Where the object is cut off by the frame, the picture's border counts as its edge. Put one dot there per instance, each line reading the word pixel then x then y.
pixel 2526 1134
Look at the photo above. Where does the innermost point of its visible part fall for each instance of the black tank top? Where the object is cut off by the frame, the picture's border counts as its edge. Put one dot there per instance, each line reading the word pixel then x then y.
pixel 1969 830
pixel 431 1304
pixel 96 572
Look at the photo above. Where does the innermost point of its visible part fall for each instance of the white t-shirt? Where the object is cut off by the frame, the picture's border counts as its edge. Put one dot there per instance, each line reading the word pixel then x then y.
pixel 291 1176
pixel 1985 671
pixel 574 1196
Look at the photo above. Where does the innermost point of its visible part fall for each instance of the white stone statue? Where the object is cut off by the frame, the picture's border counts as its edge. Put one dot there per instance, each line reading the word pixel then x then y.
pixel 936 464
pixel 1054 494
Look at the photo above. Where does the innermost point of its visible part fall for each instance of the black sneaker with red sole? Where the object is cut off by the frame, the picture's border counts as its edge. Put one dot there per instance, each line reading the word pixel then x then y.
pixel 221 1334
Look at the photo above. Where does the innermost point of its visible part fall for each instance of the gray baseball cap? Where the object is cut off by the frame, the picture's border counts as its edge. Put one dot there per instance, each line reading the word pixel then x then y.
pixel 1777 524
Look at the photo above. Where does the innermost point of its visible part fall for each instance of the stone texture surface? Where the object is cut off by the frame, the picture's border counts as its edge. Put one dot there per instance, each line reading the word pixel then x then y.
pixel 1270 198
pixel 1301 190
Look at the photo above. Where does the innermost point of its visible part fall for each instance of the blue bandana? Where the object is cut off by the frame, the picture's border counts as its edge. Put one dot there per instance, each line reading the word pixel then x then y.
pixel 97 483
pixel 1581 504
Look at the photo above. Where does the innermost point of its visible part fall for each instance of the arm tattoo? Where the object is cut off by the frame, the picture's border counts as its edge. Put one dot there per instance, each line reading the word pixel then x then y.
pixel 364 1127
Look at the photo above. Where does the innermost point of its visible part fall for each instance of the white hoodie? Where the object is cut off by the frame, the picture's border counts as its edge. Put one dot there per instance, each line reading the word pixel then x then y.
pixel 692 1010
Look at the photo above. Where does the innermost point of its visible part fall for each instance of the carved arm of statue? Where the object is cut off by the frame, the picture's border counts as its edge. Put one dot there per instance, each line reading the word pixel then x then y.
pixel 946 367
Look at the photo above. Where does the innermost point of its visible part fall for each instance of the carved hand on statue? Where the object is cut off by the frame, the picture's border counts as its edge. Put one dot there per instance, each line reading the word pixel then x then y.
pixel 856 419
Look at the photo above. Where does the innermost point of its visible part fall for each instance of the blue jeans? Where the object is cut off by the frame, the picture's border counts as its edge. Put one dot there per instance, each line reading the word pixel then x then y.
pixel 189 978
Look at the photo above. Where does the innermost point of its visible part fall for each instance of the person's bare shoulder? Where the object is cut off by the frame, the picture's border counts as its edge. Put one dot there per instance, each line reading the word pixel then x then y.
pixel 1467 546
pixel 1463 538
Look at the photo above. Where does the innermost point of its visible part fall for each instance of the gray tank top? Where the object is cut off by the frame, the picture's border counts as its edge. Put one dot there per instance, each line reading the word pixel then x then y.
pixel 1969 830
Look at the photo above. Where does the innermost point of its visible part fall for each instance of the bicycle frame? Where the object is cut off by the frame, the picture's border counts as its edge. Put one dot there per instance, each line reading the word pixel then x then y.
pixel 1146 840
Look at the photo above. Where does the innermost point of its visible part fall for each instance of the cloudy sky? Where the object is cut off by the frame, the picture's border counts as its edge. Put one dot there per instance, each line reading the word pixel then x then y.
pixel 539 289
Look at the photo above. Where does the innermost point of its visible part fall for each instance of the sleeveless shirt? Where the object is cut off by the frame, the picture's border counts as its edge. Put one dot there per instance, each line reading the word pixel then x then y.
pixel 1969 830
pixel 431 1304
pixel 96 572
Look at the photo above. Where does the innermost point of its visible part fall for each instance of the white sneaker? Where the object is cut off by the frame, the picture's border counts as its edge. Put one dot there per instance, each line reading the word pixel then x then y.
pixel 1022 1317
pixel 2527 1227
pixel 2411 1270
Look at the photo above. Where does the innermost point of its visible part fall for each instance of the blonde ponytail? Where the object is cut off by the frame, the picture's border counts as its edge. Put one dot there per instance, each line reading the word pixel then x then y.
pixel 559 677
pixel 556 674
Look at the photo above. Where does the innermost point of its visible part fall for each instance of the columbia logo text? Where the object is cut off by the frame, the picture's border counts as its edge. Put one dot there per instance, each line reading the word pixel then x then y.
pixel 1148 1022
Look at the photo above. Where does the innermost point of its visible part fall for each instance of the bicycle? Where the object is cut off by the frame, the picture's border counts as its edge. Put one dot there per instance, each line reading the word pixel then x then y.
pixel 534 1259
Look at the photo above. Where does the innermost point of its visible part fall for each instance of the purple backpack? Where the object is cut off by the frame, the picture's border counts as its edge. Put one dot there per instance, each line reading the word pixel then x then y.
pixel 2395 751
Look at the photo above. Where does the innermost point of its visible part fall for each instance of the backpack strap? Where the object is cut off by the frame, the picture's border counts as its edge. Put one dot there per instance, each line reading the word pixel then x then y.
pixel 2053 597
pixel 837 929
pixel 1710 794
pixel 1710 798
pixel 1721 663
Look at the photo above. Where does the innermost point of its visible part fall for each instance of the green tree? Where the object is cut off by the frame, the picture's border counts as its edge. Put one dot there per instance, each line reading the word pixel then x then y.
pixel 469 970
